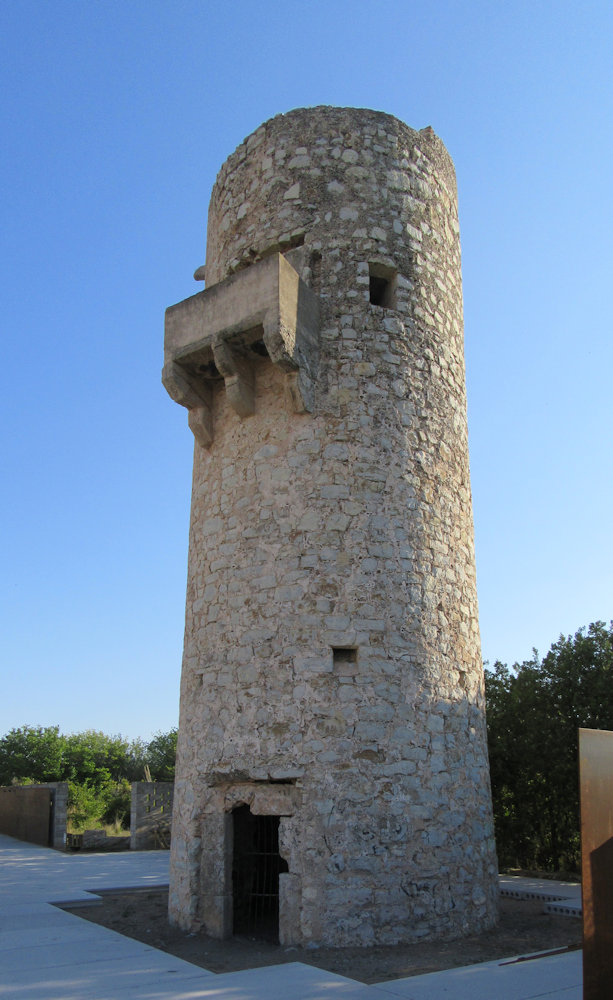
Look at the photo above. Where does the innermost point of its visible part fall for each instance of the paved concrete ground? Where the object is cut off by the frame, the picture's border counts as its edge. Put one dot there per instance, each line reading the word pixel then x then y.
pixel 558 897
pixel 48 954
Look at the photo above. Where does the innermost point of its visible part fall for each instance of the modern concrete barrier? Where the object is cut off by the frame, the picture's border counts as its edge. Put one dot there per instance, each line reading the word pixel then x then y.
pixel 35 813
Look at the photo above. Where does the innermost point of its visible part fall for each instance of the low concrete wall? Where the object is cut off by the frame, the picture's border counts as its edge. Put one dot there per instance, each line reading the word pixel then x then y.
pixel 59 812
pixel 38 814
pixel 35 813
pixel 98 840
pixel 151 815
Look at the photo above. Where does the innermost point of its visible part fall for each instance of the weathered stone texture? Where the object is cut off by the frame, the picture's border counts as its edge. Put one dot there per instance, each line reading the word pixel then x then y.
pixel 346 526
pixel 150 814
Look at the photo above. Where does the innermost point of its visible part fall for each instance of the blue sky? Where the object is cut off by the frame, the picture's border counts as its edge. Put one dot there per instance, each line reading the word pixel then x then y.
pixel 116 117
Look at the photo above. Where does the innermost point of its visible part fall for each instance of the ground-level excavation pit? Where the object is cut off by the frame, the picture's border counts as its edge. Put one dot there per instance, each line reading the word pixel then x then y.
pixel 256 865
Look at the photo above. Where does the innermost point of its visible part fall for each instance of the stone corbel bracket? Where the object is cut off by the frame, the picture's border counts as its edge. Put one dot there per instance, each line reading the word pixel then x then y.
pixel 218 333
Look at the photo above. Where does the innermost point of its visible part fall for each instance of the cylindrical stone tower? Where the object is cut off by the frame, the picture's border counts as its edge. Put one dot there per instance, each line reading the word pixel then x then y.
pixel 332 775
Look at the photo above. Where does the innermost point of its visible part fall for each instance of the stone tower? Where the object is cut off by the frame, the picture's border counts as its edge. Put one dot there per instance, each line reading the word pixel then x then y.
pixel 332 775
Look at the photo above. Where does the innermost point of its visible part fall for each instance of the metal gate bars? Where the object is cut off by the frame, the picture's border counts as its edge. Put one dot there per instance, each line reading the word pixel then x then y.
pixel 256 864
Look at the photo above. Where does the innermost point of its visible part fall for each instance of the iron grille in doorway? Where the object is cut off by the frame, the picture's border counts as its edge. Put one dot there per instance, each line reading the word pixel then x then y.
pixel 256 865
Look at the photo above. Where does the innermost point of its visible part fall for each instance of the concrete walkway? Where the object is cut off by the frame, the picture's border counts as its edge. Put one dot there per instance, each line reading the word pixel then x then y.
pixel 557 897
pixel 48 954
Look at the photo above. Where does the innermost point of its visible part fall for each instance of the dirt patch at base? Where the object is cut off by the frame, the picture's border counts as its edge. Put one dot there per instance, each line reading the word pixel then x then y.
pixel 523 928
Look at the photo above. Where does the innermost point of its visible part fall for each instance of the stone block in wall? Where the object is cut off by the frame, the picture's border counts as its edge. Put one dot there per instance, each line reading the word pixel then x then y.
pixel 151 815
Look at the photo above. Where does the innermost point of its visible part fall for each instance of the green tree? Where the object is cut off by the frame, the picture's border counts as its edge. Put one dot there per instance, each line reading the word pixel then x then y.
pixel 534 712
pixel 94 758
pixel 160 755
pixel 35 753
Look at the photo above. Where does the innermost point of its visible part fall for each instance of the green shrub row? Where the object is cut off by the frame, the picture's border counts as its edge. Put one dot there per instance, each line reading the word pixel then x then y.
pixel 99 769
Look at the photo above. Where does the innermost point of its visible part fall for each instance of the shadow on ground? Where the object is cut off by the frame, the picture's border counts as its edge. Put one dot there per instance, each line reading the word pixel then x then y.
pixel 523 928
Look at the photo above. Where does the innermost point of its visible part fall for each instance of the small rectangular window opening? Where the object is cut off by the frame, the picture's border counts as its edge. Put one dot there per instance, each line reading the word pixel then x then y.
pixel 344 654
pixel 382 285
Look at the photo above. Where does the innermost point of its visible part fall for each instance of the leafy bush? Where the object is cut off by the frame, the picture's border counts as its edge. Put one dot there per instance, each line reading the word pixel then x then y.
pixel 118 805
pixel 85 807
pixel 91 807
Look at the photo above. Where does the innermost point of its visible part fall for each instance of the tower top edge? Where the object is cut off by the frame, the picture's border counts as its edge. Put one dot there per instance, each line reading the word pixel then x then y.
pixel 342 119
pixel 341 111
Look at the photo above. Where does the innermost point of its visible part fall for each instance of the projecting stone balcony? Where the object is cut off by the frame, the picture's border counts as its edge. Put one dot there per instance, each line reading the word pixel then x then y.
pixel 264 310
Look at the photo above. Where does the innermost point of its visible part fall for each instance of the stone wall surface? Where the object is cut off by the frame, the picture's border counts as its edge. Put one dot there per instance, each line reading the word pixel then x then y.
pixel 341 522
pixel 98 840
pixel 59 813
pixel 150 815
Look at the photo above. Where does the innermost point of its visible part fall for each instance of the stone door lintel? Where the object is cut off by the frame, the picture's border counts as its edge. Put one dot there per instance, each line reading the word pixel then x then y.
pixel 262 799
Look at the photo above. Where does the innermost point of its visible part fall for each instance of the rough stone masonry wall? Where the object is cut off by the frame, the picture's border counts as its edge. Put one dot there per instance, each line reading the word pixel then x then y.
pixel 150 815
pixel 350 526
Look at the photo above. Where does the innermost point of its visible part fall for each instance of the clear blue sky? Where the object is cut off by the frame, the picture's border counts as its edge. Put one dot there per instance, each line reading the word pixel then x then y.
pixel 116 116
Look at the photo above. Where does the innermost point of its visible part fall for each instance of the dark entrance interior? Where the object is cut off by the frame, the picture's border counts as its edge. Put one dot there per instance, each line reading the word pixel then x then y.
pixel 256 865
